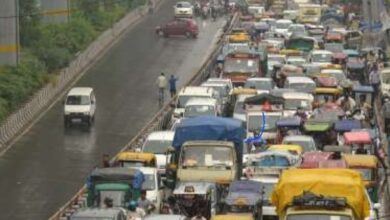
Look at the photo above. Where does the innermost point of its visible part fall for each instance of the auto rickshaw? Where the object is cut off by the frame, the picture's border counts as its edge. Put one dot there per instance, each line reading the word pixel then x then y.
pixel 193 198
pixel 291 52
pixel 289 125
pixel 238 35
pixel 291 148
pixel 357 139
pixel 345 125
pixel 321 130
pixel 337 149
pixel 356 69
pixel 244 198
pixel 311 160
pixel 359 91
pixel 286 71
pixel 368 166
pixel 331 66
pixel 325 80
pixel 321 94
pixel 135 159
pixel 125 182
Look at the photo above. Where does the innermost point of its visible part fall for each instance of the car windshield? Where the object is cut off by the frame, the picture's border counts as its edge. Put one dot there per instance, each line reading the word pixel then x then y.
pixel 78 100
pixel 322 58
pixel 199 110
pixel 211 156
pixel 307 145
pixel 260 85
pixel 222 91
pixel 276 59
pixel 302 87
pixel 183 5
pixel 317 217
pixel 293 104
pixel 366 173
pixel 156 146
pixel 241 66
pixel 282 25
pixel 271 161
pixel 183 99
pixel 118 198
pixel 335 48
pixel 239 108
pixel 255 122
pixel 149 182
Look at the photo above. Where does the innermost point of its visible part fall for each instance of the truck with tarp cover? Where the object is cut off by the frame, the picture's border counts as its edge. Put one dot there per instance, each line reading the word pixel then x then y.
pixel 309 13
pixel 117 183
pixel 324 194
pixel 206 148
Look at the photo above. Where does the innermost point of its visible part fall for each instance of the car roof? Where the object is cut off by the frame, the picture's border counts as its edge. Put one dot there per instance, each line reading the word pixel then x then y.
pixel 97 212
pixel 201 101
pixel 196 90
pixel 297 138
pixel 297 95
pixel 80 91
pixel 161 135
pixel 321 52
pixel 284 21
pixel 259 79
pixel 299 79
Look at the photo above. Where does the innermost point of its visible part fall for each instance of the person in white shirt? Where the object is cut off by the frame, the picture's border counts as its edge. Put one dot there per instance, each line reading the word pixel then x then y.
pixel 162 85
pixel 135 213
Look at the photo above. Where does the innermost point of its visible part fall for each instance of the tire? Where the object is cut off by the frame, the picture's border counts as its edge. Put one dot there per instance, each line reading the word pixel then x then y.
pixel 66 122
pixel 89 122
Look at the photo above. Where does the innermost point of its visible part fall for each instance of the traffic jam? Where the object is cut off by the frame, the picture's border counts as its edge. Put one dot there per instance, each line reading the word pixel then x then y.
pixel 288 125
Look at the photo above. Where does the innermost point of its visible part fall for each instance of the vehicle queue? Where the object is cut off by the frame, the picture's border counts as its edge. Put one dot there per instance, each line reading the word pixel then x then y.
pixel 284 129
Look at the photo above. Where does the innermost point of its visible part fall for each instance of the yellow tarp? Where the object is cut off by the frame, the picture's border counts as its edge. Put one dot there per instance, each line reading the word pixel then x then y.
pixel 232 217
pixel 328 182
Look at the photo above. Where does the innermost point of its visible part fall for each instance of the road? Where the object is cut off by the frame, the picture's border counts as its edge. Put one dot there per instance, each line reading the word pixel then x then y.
pixel 48 165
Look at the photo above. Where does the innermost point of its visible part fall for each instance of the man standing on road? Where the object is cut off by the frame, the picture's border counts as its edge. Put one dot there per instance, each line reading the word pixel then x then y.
pixel 374 79
pixel 162 85
pixel 172 85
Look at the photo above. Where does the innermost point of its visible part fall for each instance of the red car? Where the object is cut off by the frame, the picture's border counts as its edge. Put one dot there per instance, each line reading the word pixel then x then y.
pixel 185 27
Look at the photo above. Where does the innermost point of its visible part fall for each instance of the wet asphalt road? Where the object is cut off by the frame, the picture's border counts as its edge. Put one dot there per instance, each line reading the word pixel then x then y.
pixel 48 165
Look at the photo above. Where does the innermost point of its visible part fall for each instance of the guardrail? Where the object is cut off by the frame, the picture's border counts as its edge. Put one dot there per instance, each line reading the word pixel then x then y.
pixel 160 121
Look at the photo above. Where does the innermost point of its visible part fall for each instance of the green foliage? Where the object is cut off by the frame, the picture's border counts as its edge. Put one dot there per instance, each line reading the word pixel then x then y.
pixel 19 83
pixel 28 22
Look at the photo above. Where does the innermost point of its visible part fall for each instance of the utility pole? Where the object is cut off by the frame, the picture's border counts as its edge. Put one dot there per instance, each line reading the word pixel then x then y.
pixel 9 32
pixel 55 11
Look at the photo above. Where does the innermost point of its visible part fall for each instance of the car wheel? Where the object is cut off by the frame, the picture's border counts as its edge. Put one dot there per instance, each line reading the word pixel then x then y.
pixel 160 33
pixel 89 122
pixel 188 34
pixel 66 123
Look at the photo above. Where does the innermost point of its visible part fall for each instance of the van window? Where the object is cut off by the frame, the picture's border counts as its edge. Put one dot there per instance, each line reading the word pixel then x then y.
pixel 78 100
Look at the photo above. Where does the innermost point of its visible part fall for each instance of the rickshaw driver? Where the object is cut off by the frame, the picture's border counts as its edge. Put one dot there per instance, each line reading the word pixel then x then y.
pixel 301 113
pixel 346 102
pixel 361 149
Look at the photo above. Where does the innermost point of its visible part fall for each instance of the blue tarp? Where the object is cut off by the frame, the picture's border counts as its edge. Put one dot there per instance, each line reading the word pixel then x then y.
pixel 347 125
pixel 363 89
pixel 209 128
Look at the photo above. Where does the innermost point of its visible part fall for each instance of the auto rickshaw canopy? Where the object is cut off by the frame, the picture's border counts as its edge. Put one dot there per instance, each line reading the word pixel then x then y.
pixel 361 161
pixel 341 183
pixel 331 66
pixel 136 156
pixel 292 148
pixel 357 137
pixel 289 122
pixel 327 91
pixel 313 125
pixel 244 91
pixel 311 160
pixel 347 125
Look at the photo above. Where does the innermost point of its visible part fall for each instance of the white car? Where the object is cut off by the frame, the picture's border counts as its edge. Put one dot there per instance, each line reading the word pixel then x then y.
pixel 183 9
pixel 201 107
pixel 80 105
pixel 305 141
pixel 293 100
pixel 320 57
pixel 157 143
pixel 261 84
pixel 300 84
pixel 296 30
pixel 385 81
pixel 282 25
pixel 153 186
pixel 296 61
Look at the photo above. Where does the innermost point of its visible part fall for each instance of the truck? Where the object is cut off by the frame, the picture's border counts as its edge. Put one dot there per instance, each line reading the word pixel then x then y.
pixel 208 149
pixel 278 6
pixel 325 194
pixel 309 13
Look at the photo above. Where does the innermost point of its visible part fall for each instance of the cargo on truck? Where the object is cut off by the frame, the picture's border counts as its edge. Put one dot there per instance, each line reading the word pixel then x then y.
pixel 324 194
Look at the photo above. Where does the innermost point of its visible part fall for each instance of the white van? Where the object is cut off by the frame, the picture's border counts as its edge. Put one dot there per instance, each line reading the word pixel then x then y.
pixel 153 186
pixel 188 93
pixel 201 107
pixel 300 84
pixel 80 105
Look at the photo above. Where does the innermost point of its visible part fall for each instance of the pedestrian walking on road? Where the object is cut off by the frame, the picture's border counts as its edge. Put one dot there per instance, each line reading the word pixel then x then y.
pixel 172 85
pixel 162 85
pixel 374 79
